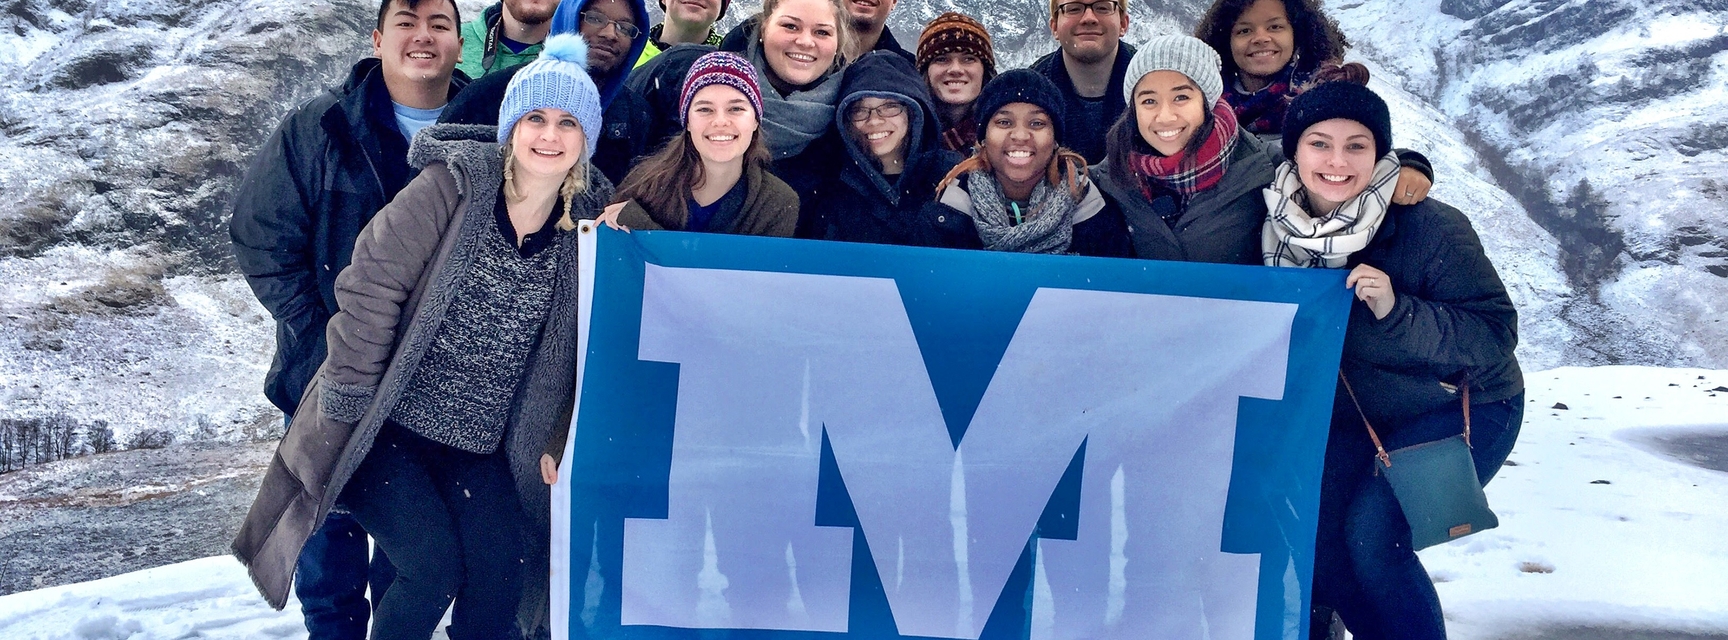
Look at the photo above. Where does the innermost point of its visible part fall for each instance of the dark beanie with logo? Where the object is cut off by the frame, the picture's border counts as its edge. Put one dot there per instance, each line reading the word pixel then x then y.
pixel 1338 99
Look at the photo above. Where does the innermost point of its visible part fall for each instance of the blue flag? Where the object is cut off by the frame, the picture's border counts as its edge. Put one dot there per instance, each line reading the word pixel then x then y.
pixel 783 439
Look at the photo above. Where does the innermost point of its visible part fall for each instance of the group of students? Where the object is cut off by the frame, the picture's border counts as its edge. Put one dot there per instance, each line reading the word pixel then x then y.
pixel 426 351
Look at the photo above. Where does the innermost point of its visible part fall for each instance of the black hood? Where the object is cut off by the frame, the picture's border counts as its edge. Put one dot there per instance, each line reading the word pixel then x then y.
pixel 883 74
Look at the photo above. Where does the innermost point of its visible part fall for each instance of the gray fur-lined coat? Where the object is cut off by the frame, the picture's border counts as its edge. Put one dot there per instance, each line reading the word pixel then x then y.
pixel 408 262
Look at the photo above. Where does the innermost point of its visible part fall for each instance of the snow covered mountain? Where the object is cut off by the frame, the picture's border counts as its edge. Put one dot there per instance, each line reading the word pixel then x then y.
pixel 124 124
pixel 1602 118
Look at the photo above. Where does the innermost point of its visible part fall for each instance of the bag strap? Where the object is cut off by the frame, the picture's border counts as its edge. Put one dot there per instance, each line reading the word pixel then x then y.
pixel 1385 458
pixel 1467 414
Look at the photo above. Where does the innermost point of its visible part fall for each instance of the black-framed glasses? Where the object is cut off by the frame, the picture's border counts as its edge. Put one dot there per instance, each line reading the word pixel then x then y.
pixel 597 19
pixel 1101 8
pixel 860 113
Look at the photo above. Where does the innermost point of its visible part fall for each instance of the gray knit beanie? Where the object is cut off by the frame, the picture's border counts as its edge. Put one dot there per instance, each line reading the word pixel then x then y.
pixel 557 79
pixel 1186 55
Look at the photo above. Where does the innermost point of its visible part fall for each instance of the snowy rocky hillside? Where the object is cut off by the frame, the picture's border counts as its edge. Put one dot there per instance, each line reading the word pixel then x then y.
pixel 124 124
pixel 1603 117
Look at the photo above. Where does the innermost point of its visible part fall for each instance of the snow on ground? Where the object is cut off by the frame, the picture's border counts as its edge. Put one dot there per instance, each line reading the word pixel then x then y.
pixel 1602 521
pixel 1613 512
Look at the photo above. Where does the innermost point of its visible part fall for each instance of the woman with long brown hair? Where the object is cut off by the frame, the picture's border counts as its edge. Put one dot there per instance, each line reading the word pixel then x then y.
pixel 714 175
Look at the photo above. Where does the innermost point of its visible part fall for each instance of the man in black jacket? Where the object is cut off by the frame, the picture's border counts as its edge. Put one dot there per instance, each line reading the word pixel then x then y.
pixel 332 163
pixel 1088 68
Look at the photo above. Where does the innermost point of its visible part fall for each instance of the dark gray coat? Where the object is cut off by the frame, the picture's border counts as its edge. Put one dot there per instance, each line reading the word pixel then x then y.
pixel 408 262
pixel 1220 225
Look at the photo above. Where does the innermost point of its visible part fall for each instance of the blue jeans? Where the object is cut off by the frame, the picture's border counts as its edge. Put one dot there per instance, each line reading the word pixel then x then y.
pixel 331 577
pixel 1365 567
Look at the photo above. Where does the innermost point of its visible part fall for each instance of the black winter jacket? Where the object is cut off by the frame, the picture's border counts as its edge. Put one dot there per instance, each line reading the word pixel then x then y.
pixel 861 204
pixel 330 165
pixel 1088 141
pixel 1220 225
pixel 624 119
pixel 1453 321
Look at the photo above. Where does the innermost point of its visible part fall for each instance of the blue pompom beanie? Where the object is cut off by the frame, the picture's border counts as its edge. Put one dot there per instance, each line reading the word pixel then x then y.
pixel 557 79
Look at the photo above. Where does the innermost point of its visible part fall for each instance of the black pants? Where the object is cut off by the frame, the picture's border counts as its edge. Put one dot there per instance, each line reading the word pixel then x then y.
pixel 451 522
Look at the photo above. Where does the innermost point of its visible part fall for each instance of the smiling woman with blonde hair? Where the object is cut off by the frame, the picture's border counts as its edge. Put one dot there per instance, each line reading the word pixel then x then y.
pixel 450 359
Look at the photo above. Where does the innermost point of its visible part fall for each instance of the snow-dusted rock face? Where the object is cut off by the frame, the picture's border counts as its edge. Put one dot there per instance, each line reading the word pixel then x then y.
pixel 1603 118
pixel 127 122
pixel 123 127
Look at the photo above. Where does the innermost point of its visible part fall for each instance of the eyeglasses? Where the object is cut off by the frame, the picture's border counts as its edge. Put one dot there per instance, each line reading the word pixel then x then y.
pixel 599 20
pixel 1102 8
pixel 886 110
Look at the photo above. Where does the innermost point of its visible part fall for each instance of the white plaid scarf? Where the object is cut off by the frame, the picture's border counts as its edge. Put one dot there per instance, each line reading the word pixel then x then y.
pixel 1294 238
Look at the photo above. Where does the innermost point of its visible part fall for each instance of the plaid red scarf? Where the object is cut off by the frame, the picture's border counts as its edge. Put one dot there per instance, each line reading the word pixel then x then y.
pixel 1187 176
pixel 1262 111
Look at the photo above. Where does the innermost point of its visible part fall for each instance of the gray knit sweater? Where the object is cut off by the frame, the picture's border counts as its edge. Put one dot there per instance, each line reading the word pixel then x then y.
pixel 460 394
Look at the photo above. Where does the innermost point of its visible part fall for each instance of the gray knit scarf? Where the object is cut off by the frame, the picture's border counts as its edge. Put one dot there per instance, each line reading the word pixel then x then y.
pixel 1047 226
pixel 791 123
pixel 1292 237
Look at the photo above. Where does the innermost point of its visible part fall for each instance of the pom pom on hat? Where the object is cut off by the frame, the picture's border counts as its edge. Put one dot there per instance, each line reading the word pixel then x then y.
pixel 566 47
pixel 557 79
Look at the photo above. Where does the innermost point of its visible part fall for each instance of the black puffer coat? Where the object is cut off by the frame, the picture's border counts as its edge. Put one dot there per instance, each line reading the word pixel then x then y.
pixel 861 204
pixel 1453 321
pixel 330 165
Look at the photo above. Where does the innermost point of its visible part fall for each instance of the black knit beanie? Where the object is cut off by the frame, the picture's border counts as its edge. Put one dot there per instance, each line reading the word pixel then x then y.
pixel 1019 85
pixel 1338 99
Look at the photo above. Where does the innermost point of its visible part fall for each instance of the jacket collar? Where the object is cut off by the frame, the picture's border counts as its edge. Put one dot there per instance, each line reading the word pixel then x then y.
pixel 1118 72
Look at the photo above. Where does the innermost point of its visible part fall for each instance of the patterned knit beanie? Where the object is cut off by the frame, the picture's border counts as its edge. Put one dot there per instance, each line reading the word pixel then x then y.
pixel 720 67
pixel 1019 85
pixel 1338 99
pixel 557 79
pixel 1186 55
pixel 955 33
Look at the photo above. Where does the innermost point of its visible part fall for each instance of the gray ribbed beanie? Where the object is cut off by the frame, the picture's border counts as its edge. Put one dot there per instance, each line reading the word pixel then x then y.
pixel 558 78
pixel 1186 55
